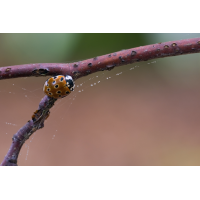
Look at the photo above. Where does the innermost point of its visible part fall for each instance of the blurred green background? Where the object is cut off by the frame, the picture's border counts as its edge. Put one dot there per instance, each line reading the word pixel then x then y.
pixel 146 116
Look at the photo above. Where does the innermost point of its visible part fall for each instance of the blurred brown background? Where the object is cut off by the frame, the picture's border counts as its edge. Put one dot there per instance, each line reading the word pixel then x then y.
pixel 148 115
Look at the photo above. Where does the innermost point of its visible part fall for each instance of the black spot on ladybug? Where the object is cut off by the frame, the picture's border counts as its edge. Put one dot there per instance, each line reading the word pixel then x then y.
pixel 58 92
pixel 54 82
pixel 67 92
pixel 48 89
pixel 59 95
pixel 62 79
pixel 56 86
pixel 50 93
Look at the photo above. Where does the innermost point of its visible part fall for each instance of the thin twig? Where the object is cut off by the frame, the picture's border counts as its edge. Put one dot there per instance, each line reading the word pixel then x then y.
pixel 26 131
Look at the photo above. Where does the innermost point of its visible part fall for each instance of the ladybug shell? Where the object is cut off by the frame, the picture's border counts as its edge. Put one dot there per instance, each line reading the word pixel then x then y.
pixel 56 87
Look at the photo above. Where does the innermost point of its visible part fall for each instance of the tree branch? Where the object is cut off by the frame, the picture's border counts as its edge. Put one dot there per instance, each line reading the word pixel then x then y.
pixel 80 69
pixel 105 62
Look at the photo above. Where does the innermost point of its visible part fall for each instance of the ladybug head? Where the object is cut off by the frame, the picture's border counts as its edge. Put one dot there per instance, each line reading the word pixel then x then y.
pixel 70 82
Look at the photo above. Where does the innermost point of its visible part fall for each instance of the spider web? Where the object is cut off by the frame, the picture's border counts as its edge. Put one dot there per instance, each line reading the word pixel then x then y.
pixel 22 96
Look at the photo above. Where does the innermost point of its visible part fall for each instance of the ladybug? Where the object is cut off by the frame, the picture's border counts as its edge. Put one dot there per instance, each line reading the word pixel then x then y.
pixel 58 86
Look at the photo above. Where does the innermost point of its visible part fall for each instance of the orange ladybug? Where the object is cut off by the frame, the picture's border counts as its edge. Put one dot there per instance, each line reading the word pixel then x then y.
pixel 58 86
